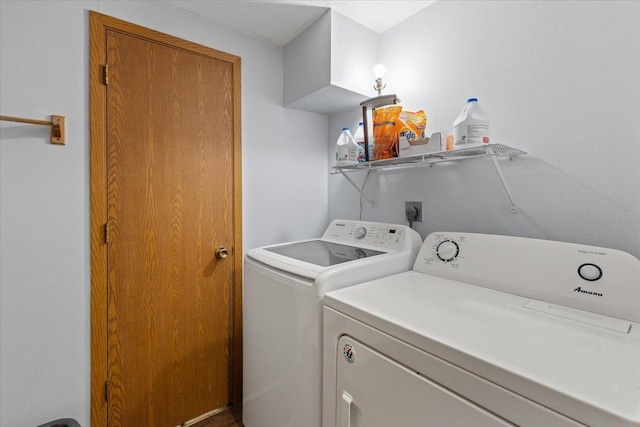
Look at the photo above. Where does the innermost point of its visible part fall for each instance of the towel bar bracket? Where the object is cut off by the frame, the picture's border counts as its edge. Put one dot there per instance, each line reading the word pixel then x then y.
pixel 57 123
pixel 58 130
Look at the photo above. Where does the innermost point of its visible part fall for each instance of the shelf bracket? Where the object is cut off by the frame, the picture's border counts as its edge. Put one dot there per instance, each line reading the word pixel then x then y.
pixel 496 165
pixel 357 189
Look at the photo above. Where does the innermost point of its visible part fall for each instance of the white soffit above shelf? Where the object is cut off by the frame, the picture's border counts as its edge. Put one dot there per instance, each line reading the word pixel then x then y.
pixel 280 21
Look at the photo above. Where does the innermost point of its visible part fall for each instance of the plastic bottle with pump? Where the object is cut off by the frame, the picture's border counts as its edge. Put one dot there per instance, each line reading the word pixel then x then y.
pixel 471 128
pixel 346 149
pixel 359 139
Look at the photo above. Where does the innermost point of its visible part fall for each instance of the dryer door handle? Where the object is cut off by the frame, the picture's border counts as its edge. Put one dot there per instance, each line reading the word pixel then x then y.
pixel 347 400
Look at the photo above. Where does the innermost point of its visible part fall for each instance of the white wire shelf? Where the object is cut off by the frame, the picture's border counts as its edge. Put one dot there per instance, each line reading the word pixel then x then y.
pixel 489 150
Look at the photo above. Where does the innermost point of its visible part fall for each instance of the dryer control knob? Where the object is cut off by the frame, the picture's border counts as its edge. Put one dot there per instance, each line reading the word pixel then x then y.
pixel 590 272
pixel 360 232
pixel 447 250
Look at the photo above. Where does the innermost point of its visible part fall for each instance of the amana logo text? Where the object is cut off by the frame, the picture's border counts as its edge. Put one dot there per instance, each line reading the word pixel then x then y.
pixel 583 291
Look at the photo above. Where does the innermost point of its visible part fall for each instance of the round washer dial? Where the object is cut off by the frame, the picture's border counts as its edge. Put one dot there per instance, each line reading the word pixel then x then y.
pixel 360 232
pixel 447 250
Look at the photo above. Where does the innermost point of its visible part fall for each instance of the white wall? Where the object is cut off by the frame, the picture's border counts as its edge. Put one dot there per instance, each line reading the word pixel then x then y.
pixel 44 192
pixel 560 80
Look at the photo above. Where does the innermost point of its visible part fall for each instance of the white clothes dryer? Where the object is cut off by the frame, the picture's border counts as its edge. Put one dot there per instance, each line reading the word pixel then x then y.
pixel 284 286
pixel 488 331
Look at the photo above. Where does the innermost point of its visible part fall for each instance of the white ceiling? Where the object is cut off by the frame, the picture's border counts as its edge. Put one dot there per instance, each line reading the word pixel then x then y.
pixel 280 21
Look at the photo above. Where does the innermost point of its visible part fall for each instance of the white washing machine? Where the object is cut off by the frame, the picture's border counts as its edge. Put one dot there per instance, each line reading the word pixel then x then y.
pixel 488 331
pixel 284 286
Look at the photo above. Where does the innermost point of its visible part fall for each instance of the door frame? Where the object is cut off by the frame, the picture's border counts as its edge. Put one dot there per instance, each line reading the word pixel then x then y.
pixel 99 24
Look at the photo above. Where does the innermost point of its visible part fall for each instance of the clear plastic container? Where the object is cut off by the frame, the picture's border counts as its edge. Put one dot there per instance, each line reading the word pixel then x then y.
pixel 346 149
pixel 359 139
pixel 471 128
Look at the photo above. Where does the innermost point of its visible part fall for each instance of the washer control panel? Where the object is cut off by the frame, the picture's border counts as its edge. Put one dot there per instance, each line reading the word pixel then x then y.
pixel 374 235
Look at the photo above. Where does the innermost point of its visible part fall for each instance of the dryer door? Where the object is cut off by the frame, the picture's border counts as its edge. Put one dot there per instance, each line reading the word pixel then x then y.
pixel 375 391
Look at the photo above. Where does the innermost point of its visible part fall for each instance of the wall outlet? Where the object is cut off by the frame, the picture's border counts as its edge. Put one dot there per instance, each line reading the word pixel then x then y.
pixel 413 211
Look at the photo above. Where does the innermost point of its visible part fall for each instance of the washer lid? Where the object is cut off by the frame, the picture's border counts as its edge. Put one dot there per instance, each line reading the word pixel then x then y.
pixel 572 364
pixel 311 258
pixel 322 253
pixel 348 252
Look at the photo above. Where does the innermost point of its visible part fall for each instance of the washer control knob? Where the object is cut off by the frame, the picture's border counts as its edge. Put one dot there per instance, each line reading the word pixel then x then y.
pixel 590 272
pixel 447 250
pixel 360 232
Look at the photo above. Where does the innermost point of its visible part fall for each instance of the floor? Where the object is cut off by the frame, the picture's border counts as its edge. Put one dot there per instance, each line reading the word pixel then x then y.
pixel 232 417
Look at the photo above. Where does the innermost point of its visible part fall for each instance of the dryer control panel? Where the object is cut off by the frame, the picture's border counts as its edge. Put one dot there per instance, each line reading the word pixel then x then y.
pixel 373 235
pixel 599 280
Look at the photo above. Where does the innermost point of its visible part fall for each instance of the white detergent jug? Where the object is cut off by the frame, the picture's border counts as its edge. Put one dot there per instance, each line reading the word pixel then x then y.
pixel 346 149
pixel 359 139
pixel 471 128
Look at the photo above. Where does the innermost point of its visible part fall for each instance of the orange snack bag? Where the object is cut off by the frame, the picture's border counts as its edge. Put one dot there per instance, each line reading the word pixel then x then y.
pixel 385 132
pixel 412 125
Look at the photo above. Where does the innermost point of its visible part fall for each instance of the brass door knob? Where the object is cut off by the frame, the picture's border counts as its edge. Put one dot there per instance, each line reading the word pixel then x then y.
pixel 222 252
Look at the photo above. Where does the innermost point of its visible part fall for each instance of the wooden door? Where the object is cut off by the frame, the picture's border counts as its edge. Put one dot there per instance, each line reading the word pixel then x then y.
pixel 171 178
